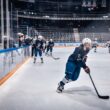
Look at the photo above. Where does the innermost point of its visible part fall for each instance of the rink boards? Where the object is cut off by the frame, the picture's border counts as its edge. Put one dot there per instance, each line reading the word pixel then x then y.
pixel 11 60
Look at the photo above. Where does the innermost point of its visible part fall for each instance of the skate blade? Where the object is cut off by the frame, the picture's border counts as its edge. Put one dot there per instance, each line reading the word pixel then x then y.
pixel 58 91
pixel 34 62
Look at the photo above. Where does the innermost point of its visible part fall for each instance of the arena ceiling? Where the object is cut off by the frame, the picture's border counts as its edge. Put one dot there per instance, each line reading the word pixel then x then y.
pixel 64 6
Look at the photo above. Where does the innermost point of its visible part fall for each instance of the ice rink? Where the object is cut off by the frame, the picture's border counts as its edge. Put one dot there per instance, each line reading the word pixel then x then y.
pixel 33 86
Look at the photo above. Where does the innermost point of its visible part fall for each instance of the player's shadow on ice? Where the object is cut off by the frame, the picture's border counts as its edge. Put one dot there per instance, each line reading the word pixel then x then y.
pixel 82 90
pixel 86 96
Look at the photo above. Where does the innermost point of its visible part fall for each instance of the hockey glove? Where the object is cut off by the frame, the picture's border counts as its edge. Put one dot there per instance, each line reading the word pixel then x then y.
pixel 87 69
pixel 85 59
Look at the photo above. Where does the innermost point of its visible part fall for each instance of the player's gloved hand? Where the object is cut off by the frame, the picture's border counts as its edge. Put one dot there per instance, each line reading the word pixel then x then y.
pixel 85 59
pixel 87 69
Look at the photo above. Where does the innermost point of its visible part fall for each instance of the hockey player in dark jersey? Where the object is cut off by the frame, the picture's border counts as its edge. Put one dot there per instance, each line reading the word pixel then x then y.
pixel 75 62
pixel 46 44
pixel 33 46
pixel 95 45
pixel 39 48
pixel 108 44
pixel 109 47
pixel 50 47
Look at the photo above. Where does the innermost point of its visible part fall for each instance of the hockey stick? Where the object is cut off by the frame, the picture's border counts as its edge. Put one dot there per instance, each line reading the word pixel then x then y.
pixel 55 58
pixel 102 97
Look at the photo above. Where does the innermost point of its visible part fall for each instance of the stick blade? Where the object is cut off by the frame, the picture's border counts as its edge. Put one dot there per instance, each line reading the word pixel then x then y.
pixel 55 58
pixel 104 97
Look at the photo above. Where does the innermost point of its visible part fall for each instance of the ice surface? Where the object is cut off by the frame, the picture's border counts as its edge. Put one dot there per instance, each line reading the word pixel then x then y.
pixel 33 87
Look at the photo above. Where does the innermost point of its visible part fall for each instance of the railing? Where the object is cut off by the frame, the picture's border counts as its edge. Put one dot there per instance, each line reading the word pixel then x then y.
pixel 63 16
pixel 102 37
pixel 70 36
pixel 11 58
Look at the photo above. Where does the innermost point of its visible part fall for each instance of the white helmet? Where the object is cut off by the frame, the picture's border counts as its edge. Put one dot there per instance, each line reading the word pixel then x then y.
pixel 20 34
pixel 40 37
pixel 87 40
pixel 51 40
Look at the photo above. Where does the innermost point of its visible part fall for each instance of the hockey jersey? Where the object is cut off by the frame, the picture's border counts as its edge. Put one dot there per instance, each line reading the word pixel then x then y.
pixel 79 56
pixel 39 44
pixel 50 44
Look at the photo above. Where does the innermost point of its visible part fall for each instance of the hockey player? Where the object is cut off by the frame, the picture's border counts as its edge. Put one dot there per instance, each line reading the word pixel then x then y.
pixel 108 44
pixel 46 44
pixel 50 47
pixel 38 48
pixel 95 45
pixel 33 46
pixel 109 47
pixel 75 62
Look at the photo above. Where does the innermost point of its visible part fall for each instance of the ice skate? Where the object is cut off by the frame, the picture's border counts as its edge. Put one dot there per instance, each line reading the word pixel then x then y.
pixel 34 60
pixel 42 60
pixel 60 88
